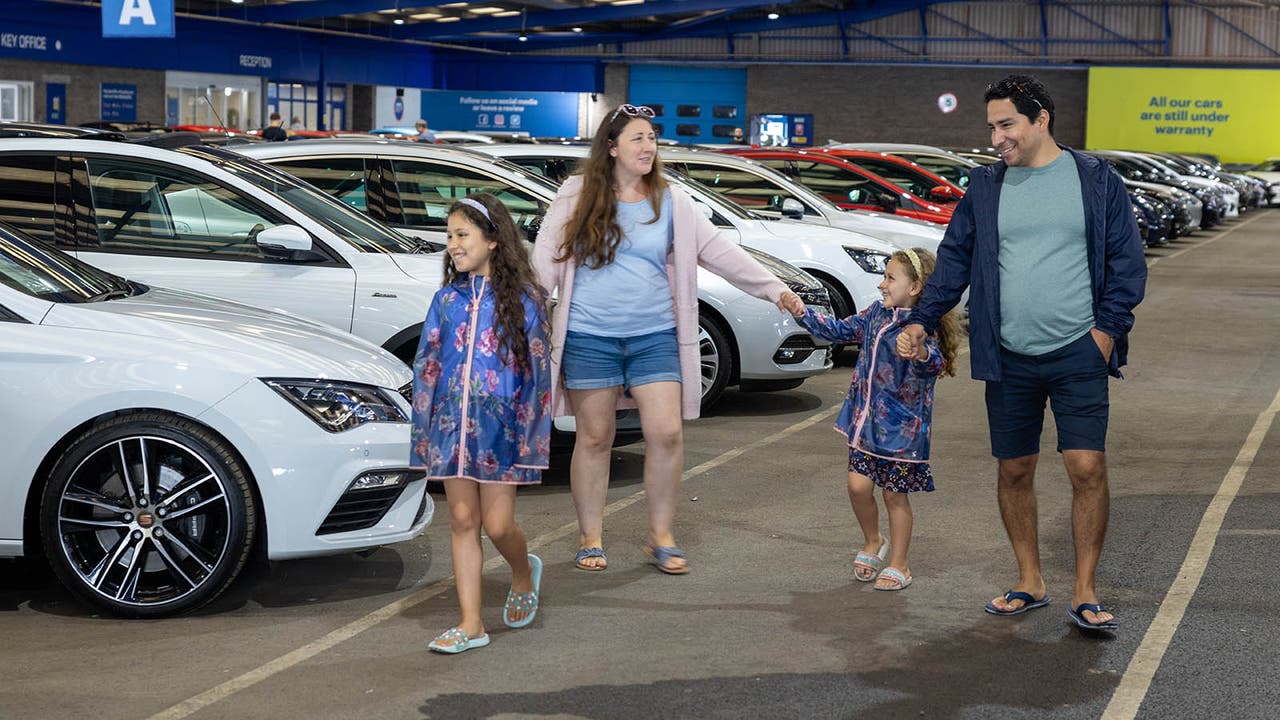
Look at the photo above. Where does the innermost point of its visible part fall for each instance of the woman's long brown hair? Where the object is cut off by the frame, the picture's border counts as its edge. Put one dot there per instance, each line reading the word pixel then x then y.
pixel 510 272
pixel 949 330
pixel 592 234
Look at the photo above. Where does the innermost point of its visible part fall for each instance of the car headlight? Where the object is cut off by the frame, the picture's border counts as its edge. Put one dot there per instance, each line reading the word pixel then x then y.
pixel 338 406
pixel 872 261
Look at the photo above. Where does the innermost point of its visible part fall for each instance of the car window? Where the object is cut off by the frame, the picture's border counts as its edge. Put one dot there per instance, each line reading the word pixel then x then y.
pixel 833 182
pixel 1268 166
pixel 341 177
pixel 914 183
pixel 751 191
pixel 146 208
pixel 428 188
pixel 34 269
pixel 953 170
pixel 27 190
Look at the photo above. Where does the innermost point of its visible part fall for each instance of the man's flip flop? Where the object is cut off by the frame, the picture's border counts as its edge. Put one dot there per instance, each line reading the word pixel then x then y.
pixel 867 561
pixel 591 552
pixel 1028 603
pixel 454 641
pixel 661 555
pixel 1078 616
pixel 524 602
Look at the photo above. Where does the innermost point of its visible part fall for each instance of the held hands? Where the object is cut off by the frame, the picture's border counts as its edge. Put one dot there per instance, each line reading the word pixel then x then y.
pixel 911 342
pixel 790 302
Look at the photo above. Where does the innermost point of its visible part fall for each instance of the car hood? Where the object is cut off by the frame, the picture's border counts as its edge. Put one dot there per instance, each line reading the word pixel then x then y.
pixel 796 230
pixel 425 267
pixel 899 231
pixel 258 342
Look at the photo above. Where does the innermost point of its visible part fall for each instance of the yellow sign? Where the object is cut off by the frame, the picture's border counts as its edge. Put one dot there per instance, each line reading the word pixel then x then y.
pixel 1229 113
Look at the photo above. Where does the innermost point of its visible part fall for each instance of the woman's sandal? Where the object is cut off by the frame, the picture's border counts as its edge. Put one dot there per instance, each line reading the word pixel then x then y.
pixel 897 581
pixel 590 552
pixel 661 555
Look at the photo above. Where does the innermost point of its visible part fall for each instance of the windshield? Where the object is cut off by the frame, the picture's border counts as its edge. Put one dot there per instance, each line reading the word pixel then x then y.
pixel 43 272
pixel 358 230
pixel 719 201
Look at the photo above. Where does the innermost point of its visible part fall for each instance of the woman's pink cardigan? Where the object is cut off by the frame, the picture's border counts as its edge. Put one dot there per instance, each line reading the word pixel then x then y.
pixel 696 242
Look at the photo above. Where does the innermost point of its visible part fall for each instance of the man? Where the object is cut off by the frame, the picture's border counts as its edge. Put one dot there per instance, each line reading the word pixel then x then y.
pixel 273 132
pixel 1047 241
pixel 738 137
pixel 424 135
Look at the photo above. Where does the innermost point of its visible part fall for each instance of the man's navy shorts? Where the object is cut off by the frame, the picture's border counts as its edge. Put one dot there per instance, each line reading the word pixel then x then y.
pixel 1072 378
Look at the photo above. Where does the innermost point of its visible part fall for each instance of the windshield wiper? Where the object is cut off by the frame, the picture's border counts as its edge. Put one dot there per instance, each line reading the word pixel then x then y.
pixel 113 294
pixel 421 246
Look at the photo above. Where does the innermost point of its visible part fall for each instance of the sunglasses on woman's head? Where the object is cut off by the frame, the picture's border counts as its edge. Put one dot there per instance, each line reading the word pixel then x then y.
pixel 632 111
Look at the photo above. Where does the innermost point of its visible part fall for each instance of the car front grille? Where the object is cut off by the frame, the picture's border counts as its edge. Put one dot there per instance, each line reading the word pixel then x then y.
pixel 360 509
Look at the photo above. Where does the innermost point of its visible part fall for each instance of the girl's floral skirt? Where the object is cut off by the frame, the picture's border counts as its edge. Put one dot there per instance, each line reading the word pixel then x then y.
pixel 892 475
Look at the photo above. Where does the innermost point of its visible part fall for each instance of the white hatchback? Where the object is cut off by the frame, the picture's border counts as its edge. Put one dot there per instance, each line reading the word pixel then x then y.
pixel 154 437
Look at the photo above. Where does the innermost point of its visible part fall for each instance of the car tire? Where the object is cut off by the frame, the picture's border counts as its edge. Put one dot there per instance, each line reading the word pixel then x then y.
pixel 840 308
pixel 715 359
pixel 168 542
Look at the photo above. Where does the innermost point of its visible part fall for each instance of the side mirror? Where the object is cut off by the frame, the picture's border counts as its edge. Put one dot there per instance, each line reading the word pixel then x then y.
pixel 285 242
pixel 791 208
pixel 943 193
pixel 887 202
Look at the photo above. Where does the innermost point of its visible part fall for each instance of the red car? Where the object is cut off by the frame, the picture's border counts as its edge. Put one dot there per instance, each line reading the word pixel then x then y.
pixel 847 185
pixel 902 172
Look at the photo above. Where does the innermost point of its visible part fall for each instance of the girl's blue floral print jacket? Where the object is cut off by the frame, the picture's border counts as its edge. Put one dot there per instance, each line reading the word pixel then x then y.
pixel 461 378
pixel 890 404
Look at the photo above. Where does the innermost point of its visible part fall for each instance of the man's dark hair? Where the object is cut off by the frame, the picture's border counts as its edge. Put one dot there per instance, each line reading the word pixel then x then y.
pixel 1028 95
pixel 274 117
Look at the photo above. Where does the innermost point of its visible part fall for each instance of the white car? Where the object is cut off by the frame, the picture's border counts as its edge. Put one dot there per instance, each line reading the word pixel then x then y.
pixel 1159 169
pixel 1268 171
pixel 153 437
pixel 744 341
pixel 849 264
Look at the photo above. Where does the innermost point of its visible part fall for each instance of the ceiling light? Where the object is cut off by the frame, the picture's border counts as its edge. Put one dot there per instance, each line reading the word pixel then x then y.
pixel 448 19
pixel 454 5
pixel 507 13
pixel 398 21
pixel 577 29
pixel 773 16
pixel 237 2
pixel 523 38
pixel 426 16
pixel 484 10
pixel 627 2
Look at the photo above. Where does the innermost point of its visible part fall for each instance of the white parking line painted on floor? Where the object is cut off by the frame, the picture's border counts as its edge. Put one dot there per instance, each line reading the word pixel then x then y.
pixel 1210 241
pixel 1137 678
pixel 346 632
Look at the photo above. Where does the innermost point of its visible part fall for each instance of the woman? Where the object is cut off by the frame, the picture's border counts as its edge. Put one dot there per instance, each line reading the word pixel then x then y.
pixel 622 247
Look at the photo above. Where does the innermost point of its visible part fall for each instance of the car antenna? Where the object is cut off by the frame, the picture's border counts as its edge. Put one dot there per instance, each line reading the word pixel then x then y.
pixel 226 130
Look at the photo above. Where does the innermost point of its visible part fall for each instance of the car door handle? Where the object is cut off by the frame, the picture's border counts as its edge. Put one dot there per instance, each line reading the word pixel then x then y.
pixel 384 295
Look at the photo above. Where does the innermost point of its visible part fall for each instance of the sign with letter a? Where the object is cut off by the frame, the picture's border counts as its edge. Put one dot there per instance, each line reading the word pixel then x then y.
pixel 137 18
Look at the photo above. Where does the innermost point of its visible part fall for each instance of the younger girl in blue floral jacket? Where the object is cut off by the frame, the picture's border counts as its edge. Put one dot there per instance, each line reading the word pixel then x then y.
pixel 888 412
pixel 482 405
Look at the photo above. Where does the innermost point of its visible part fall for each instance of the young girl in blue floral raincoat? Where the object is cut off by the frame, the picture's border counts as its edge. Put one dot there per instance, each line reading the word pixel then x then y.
pixel 482 406
pixel 888 412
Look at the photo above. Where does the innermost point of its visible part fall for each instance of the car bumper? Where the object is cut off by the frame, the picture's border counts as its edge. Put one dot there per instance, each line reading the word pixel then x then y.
pixel 771 345
pixel 305 476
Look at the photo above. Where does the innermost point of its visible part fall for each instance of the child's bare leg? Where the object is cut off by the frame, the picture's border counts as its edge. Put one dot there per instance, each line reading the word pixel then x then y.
pixel 863 499
pixel 468 556
pixel 498 503
pixel 898 506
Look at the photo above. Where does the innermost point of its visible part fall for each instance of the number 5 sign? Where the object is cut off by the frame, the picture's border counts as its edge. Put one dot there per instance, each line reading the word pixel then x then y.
pixel 137 18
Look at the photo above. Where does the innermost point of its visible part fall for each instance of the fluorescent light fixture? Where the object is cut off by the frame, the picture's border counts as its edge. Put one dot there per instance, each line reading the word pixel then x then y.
pixel 507 13
pixel 454 5
pixel 484 10
pixel 448 19
pixel 426 16
pixel 627 2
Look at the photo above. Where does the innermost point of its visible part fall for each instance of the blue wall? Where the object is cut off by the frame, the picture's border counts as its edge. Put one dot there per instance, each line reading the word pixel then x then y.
pixel 52 32
pixel 703 89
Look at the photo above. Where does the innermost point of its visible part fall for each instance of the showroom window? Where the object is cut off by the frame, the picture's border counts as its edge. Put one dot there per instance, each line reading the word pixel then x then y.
pixel 15 101
pixel 341 177
pixel 148 209
pixel 427 189
pixel 27 194
pixel 301 101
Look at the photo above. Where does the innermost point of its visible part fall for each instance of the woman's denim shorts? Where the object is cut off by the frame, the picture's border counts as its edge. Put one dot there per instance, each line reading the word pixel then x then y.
pixel 592 362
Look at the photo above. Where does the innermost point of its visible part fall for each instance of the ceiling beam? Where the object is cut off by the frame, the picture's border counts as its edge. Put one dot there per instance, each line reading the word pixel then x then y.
pixel 575 16
pixel 311 9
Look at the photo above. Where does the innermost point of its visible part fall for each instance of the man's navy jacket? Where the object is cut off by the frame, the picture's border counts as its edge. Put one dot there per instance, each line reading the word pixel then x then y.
pixel 968 257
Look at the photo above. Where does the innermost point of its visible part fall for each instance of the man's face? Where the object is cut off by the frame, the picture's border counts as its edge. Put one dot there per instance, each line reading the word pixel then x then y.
pixel 737 133
pixel 1013 135
pixel 420 127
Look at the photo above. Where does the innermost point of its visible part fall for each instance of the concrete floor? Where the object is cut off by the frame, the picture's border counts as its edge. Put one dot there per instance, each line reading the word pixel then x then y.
pixel 770 623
